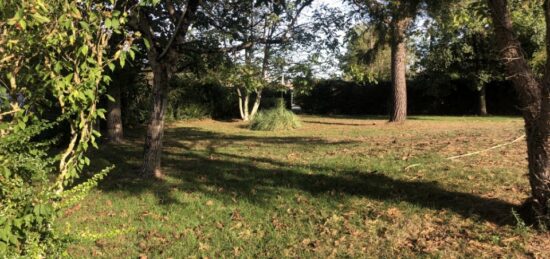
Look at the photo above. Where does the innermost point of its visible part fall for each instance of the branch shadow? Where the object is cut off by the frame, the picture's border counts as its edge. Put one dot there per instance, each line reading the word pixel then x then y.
pixel 226 177
pixel 337 123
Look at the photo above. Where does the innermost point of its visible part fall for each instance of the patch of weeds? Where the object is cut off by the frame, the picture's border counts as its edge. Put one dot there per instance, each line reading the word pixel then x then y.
pixel 521 227
pixel 278 118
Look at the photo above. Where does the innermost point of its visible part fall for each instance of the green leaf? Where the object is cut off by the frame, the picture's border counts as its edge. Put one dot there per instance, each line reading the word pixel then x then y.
pixel 115 23
pixel 40 18
pixel 110 98
pixel 86 161
pixel 106 79
pixel 23 24
pixel 84 50
pixel 147 43
pixel 122 60
pixel 57 67
pixel 84 25
pixel 12 21
pixel 101 112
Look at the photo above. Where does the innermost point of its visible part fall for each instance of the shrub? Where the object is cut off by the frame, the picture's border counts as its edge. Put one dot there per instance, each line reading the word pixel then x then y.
pixel 278 118
pixel 49 71
pixel 188 111
pixel 192 99
pixel 26 213
pixel 30 205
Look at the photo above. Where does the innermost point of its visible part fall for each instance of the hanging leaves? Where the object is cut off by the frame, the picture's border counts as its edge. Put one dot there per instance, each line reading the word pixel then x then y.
pixel 57 49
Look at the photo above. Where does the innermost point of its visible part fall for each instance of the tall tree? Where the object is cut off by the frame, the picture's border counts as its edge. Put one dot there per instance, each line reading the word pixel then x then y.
pixel 392 19
pixel 164 27
pixel 534 95
pixel 125 75
pixel 115 133
pixel 457 45
pixel 252 30
pixel 364 61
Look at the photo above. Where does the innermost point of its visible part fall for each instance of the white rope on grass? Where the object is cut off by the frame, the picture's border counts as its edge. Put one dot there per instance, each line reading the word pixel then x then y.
pixel 485 150
pixel 475 153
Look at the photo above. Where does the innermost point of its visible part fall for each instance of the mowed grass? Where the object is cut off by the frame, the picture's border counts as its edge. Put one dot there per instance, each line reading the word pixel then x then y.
pixel 338 187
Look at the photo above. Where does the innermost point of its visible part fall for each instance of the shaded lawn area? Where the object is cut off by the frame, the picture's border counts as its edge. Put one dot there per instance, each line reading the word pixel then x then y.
pixel 340 187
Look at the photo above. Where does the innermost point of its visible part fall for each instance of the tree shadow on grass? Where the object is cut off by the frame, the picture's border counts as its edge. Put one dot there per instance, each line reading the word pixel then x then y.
pixel 366 124
pixel 226 177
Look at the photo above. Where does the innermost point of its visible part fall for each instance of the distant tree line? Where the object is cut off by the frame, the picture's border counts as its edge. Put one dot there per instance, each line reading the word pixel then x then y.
pixel 456 97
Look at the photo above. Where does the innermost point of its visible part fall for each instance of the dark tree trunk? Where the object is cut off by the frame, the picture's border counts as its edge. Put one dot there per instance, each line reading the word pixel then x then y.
pixel 155 130
pixel 399 27
pixel 534 96
pixel 162 61
pixel 115 132
pixel 482 101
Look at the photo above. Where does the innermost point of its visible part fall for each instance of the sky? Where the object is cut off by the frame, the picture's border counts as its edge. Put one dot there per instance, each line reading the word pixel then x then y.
pixel 327 69
pixel 331 69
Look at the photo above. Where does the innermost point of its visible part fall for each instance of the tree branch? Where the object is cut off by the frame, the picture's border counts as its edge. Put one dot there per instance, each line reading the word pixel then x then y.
pixel 182 26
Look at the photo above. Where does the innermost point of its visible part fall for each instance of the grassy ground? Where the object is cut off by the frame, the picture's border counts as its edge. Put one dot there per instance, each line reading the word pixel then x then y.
pixel 339 187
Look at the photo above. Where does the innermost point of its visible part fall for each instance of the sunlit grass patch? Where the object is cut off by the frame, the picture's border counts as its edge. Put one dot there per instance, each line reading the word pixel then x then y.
pixel 336 187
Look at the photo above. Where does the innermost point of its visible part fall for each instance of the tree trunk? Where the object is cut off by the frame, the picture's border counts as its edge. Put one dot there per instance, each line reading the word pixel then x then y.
pixel 534 97
pixel 114 116
pixel 256 104
pixel 244 98
pixel 246 113
pixel 241 102
pixel 155 130
pixel 163 62
pixel 482 102
pixel 265 64
pixel 399 26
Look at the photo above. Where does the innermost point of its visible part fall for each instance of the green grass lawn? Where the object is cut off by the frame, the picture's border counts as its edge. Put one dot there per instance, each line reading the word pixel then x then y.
pixel 337 187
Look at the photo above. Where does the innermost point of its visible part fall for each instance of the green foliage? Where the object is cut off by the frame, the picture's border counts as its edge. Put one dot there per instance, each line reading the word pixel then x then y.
pixel 368 58
pixel 188 111
pixel 193 97
pixel 458 43
pixel 528 19
pixel 30 205
pixel 26 212
pixel 246 77
pixel 52 56
pixel 278 118
pixel 302 78
pixel 459 46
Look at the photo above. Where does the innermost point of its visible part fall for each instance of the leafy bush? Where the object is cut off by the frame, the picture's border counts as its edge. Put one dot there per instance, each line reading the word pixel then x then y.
pixel 48 71
pixel 190 98
pixel 30 200
pixel 188 111
pixel 26 213
pixel 278 118
pixel 187 101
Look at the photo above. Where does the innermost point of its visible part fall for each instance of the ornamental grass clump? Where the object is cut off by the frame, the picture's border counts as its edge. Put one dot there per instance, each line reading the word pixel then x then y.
pixel 278 118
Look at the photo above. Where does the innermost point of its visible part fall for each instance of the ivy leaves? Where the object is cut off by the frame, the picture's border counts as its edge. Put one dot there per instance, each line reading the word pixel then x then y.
pixel 52 53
